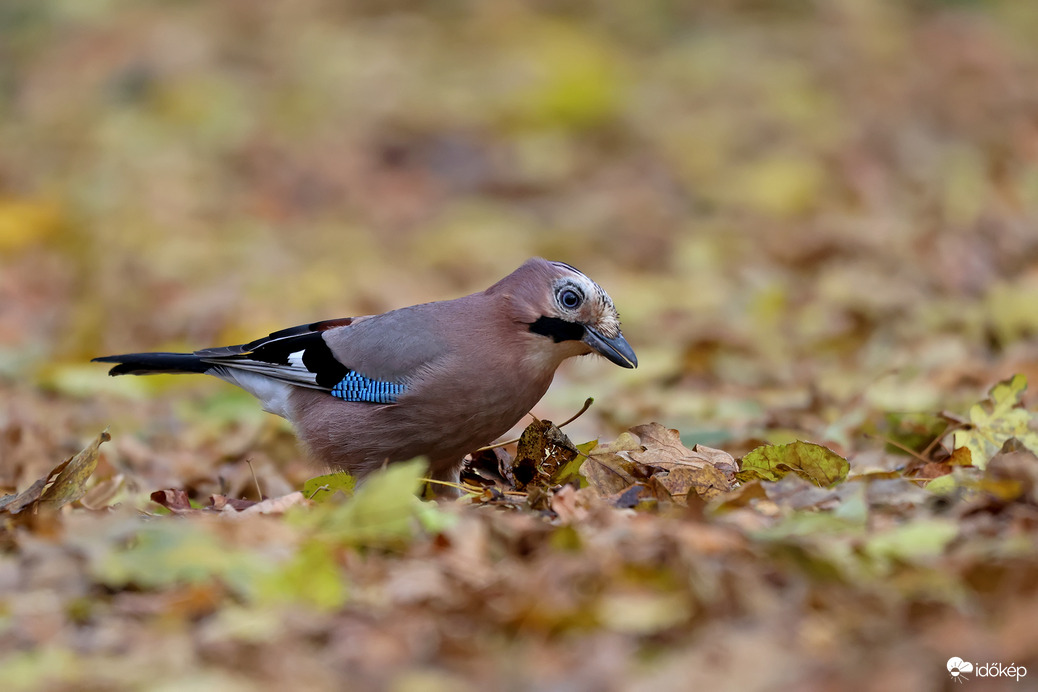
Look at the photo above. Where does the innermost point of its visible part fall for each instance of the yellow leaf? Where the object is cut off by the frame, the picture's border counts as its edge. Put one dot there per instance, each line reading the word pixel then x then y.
pixel 996 420
pixel 783 186
pixel 23 223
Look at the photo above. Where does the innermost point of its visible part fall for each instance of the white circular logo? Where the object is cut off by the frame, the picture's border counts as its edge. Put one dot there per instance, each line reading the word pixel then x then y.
pixel 957 668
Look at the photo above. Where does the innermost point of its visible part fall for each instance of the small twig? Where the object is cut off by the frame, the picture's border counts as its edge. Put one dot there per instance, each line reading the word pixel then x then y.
pixel 497 444
pixel 900 446
pixel 950 427
pixel 581 412
pixel 319 489
pixel 255 479
pixel 459 486
pixel 578 414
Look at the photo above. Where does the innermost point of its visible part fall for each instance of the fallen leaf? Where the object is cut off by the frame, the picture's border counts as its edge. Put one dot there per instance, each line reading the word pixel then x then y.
pixel 608 469
pixel 643 613
pixel 275 505
pixel 565 504
pixel 104 493
pixel 664 450
pixel 173 499
pixel 705 481
pixel 487 468
pixel 996 420
pixel 13 504
pixel 817 464
pixel 1012 475
pixel 323 488
pixel 383 511
pixel 65 483
pixel 636 496
pixel 913 542
pixel 543 450
pixel 222 502
pixel 571 470
pixel 960 457
pixel 719 459
pixel 69 483
pixel 742 496
pixel 312 577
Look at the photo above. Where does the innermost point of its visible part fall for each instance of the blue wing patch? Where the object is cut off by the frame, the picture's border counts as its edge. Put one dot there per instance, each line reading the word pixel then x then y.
pixel 356 387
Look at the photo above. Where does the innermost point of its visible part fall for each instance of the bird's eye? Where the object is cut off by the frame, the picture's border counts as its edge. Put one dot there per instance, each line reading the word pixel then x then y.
pixel 570 299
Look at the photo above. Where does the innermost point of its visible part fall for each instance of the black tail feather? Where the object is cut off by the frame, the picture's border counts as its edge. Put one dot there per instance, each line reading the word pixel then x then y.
pixel 154 363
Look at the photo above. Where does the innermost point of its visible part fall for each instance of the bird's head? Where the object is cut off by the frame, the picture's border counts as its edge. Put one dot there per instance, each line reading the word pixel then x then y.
pixel 566 312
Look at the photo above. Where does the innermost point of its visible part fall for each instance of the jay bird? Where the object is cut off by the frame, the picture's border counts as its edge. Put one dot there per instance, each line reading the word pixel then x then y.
pixel 437 380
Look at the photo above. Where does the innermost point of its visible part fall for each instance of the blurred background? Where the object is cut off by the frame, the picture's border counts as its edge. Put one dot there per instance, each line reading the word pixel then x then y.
pixel 806 212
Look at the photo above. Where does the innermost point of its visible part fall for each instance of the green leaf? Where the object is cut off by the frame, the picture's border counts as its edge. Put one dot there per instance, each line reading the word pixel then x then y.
pixel 169 553
pixel 323 488
pixel 816 463
pixel 996 420
pixel 943 485
pixel 384 511
pixel 312 577
pixel 165 553
pixel 571 470
pixel 922 539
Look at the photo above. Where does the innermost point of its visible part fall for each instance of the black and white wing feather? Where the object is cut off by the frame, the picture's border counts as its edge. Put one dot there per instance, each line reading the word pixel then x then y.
pixel 297 356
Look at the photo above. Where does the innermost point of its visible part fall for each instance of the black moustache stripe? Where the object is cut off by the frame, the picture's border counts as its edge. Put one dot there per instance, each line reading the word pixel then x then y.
pixel 558 330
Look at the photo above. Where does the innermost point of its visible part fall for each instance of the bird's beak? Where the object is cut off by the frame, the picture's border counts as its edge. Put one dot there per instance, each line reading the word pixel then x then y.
pixel 616 349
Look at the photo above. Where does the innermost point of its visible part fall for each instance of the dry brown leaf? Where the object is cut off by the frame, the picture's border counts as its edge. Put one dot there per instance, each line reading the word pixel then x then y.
pixel 742 496
pixel 64 484
pixel 173 499
pixel 664 450
pixel 605 473
pixel 13 504
pixel 543 449
pixel 276 505
pixel 635 495
pixel 565 503
pixel 102 494
pixel 69 483
pixel 222 503
pixel 719 459
pixel 706 481
pixel 608 468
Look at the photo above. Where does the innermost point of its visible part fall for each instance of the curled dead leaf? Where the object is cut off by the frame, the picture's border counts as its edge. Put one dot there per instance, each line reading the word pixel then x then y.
pixel 543 450
pixel 65 483
pixel 173 499
pixel 654 455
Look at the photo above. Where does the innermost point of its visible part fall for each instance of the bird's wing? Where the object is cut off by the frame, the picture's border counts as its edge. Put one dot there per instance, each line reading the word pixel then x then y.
pixel 368 359
pixel 290 355
pixel 396 345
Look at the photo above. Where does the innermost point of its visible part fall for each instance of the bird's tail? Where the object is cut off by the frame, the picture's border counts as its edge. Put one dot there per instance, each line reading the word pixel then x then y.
pixel 154 363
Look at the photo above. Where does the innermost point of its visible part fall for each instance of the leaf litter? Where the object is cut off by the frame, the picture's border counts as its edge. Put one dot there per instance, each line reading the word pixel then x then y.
pixel 642 543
